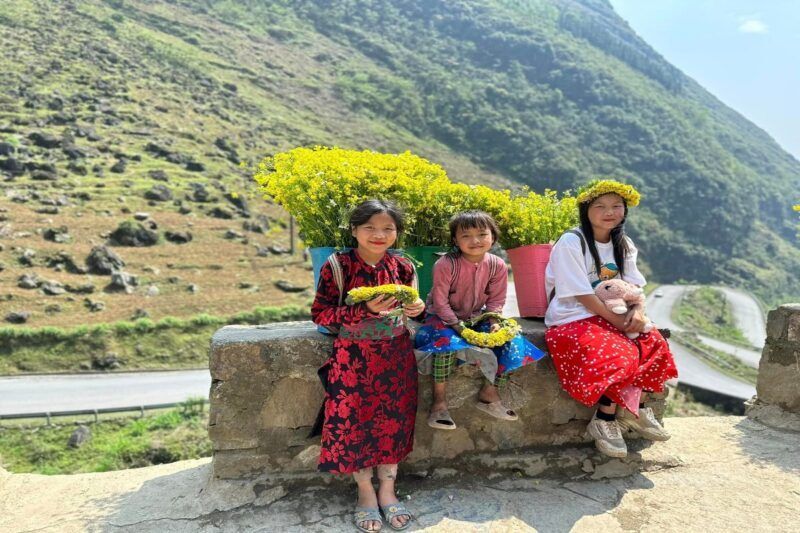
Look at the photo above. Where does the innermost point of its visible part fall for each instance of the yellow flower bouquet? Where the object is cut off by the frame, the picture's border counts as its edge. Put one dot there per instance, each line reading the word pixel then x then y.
pixel 402 293
pixel 508 330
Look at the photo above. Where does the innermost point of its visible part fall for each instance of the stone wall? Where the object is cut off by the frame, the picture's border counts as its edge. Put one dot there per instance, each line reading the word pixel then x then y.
pixel 778 387
pixel 265 394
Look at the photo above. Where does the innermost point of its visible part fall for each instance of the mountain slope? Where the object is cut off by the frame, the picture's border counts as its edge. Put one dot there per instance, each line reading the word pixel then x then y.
pixel 551 93
pixel 499 91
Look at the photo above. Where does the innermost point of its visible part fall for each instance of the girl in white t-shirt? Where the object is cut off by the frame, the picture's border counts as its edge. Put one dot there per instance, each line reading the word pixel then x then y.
pixel 596 362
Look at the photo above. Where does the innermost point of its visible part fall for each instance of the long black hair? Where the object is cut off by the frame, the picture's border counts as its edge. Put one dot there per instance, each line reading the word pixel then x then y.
pixel 618 239
pixel 365 210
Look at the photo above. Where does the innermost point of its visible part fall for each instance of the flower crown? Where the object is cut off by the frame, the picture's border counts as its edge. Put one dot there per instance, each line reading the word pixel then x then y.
pixel 596 188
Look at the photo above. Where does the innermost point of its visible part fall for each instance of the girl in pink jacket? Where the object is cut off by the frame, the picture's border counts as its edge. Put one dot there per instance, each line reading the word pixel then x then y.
pixel 466 283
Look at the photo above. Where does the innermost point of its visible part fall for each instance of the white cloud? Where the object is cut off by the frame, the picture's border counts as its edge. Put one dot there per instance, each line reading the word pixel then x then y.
pixel 753 26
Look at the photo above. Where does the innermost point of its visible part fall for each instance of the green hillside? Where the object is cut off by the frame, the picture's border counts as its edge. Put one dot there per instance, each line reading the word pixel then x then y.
pixel 100 102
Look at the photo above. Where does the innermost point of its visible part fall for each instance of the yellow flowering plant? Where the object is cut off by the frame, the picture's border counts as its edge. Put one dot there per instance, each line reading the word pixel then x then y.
pixel 492 201
pixel 599 187
pixel 796 208
pixel 429 209
pixel 320 186
pixel 430 217
pixel 508 330
pixel 534 218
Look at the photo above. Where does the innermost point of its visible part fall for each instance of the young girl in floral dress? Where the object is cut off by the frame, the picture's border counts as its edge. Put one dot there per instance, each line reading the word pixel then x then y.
pixel 596 362
pixel 467 283
pixel 371 392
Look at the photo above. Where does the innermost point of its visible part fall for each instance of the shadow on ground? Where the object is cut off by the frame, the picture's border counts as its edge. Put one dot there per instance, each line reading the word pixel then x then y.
pixel 767 445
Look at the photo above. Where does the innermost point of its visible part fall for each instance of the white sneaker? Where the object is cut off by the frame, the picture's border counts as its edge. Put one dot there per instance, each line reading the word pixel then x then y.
pixel 607 437
pixel 646 425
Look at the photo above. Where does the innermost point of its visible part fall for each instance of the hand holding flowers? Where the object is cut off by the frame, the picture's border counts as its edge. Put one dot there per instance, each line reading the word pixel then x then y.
pixel 379 300
pixel 381 305
pixel 414 309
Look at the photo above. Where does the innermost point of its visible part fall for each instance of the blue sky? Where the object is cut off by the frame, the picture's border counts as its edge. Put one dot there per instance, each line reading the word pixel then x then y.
pixel 745 52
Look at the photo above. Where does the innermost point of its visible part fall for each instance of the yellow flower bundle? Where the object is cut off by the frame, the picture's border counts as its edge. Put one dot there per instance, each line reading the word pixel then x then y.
pixel 597 188
pixel 402 293
pixel 508 330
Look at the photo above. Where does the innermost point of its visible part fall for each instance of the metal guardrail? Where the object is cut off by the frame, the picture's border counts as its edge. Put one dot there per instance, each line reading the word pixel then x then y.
pixel 96 412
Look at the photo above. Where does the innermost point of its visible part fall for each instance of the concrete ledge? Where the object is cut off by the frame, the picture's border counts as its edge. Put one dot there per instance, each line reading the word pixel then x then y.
pixel 265 394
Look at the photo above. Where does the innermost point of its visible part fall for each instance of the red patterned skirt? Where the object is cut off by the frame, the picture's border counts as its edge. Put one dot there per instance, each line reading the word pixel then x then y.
pixel 593 358
pixel 370 404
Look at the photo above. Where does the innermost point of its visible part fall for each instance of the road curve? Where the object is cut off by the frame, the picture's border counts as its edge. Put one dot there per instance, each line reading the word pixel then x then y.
pixel 659 308
pixel 695 372
pixel 692 370
pixel 748 315
pixel 659 311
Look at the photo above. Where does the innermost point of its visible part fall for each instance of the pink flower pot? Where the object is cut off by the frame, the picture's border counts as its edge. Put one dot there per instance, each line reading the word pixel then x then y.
pixel 528 264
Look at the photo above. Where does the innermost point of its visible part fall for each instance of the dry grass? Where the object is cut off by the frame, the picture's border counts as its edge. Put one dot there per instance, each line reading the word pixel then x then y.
pixel 216 264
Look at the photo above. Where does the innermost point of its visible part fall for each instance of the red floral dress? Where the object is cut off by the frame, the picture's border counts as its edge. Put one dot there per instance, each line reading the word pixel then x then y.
pixel 371 394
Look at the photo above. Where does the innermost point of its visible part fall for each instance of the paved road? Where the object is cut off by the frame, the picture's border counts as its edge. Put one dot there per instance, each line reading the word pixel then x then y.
pixel 695 372
pixel 659 310
pixel 746 312
pixel 748 315
pixel 511 308
pixel 748 357
pixel 692 370
pixel 35 394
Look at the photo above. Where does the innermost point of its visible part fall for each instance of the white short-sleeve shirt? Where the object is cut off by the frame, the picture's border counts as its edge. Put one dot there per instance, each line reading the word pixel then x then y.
pixel 573 273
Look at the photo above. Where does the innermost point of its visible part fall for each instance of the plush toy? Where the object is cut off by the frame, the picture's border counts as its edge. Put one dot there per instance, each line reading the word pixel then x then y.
pixel 617 295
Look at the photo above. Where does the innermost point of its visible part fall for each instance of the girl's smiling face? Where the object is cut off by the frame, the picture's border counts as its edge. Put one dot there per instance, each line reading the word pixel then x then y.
pixel 606 212
pixel 474 242
pixel 377 234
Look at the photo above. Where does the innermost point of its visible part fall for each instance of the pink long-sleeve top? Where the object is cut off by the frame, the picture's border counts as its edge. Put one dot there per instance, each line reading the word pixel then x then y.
pixel 472 290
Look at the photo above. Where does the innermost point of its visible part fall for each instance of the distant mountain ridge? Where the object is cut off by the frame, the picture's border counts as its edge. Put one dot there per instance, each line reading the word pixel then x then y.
pixel 543 93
